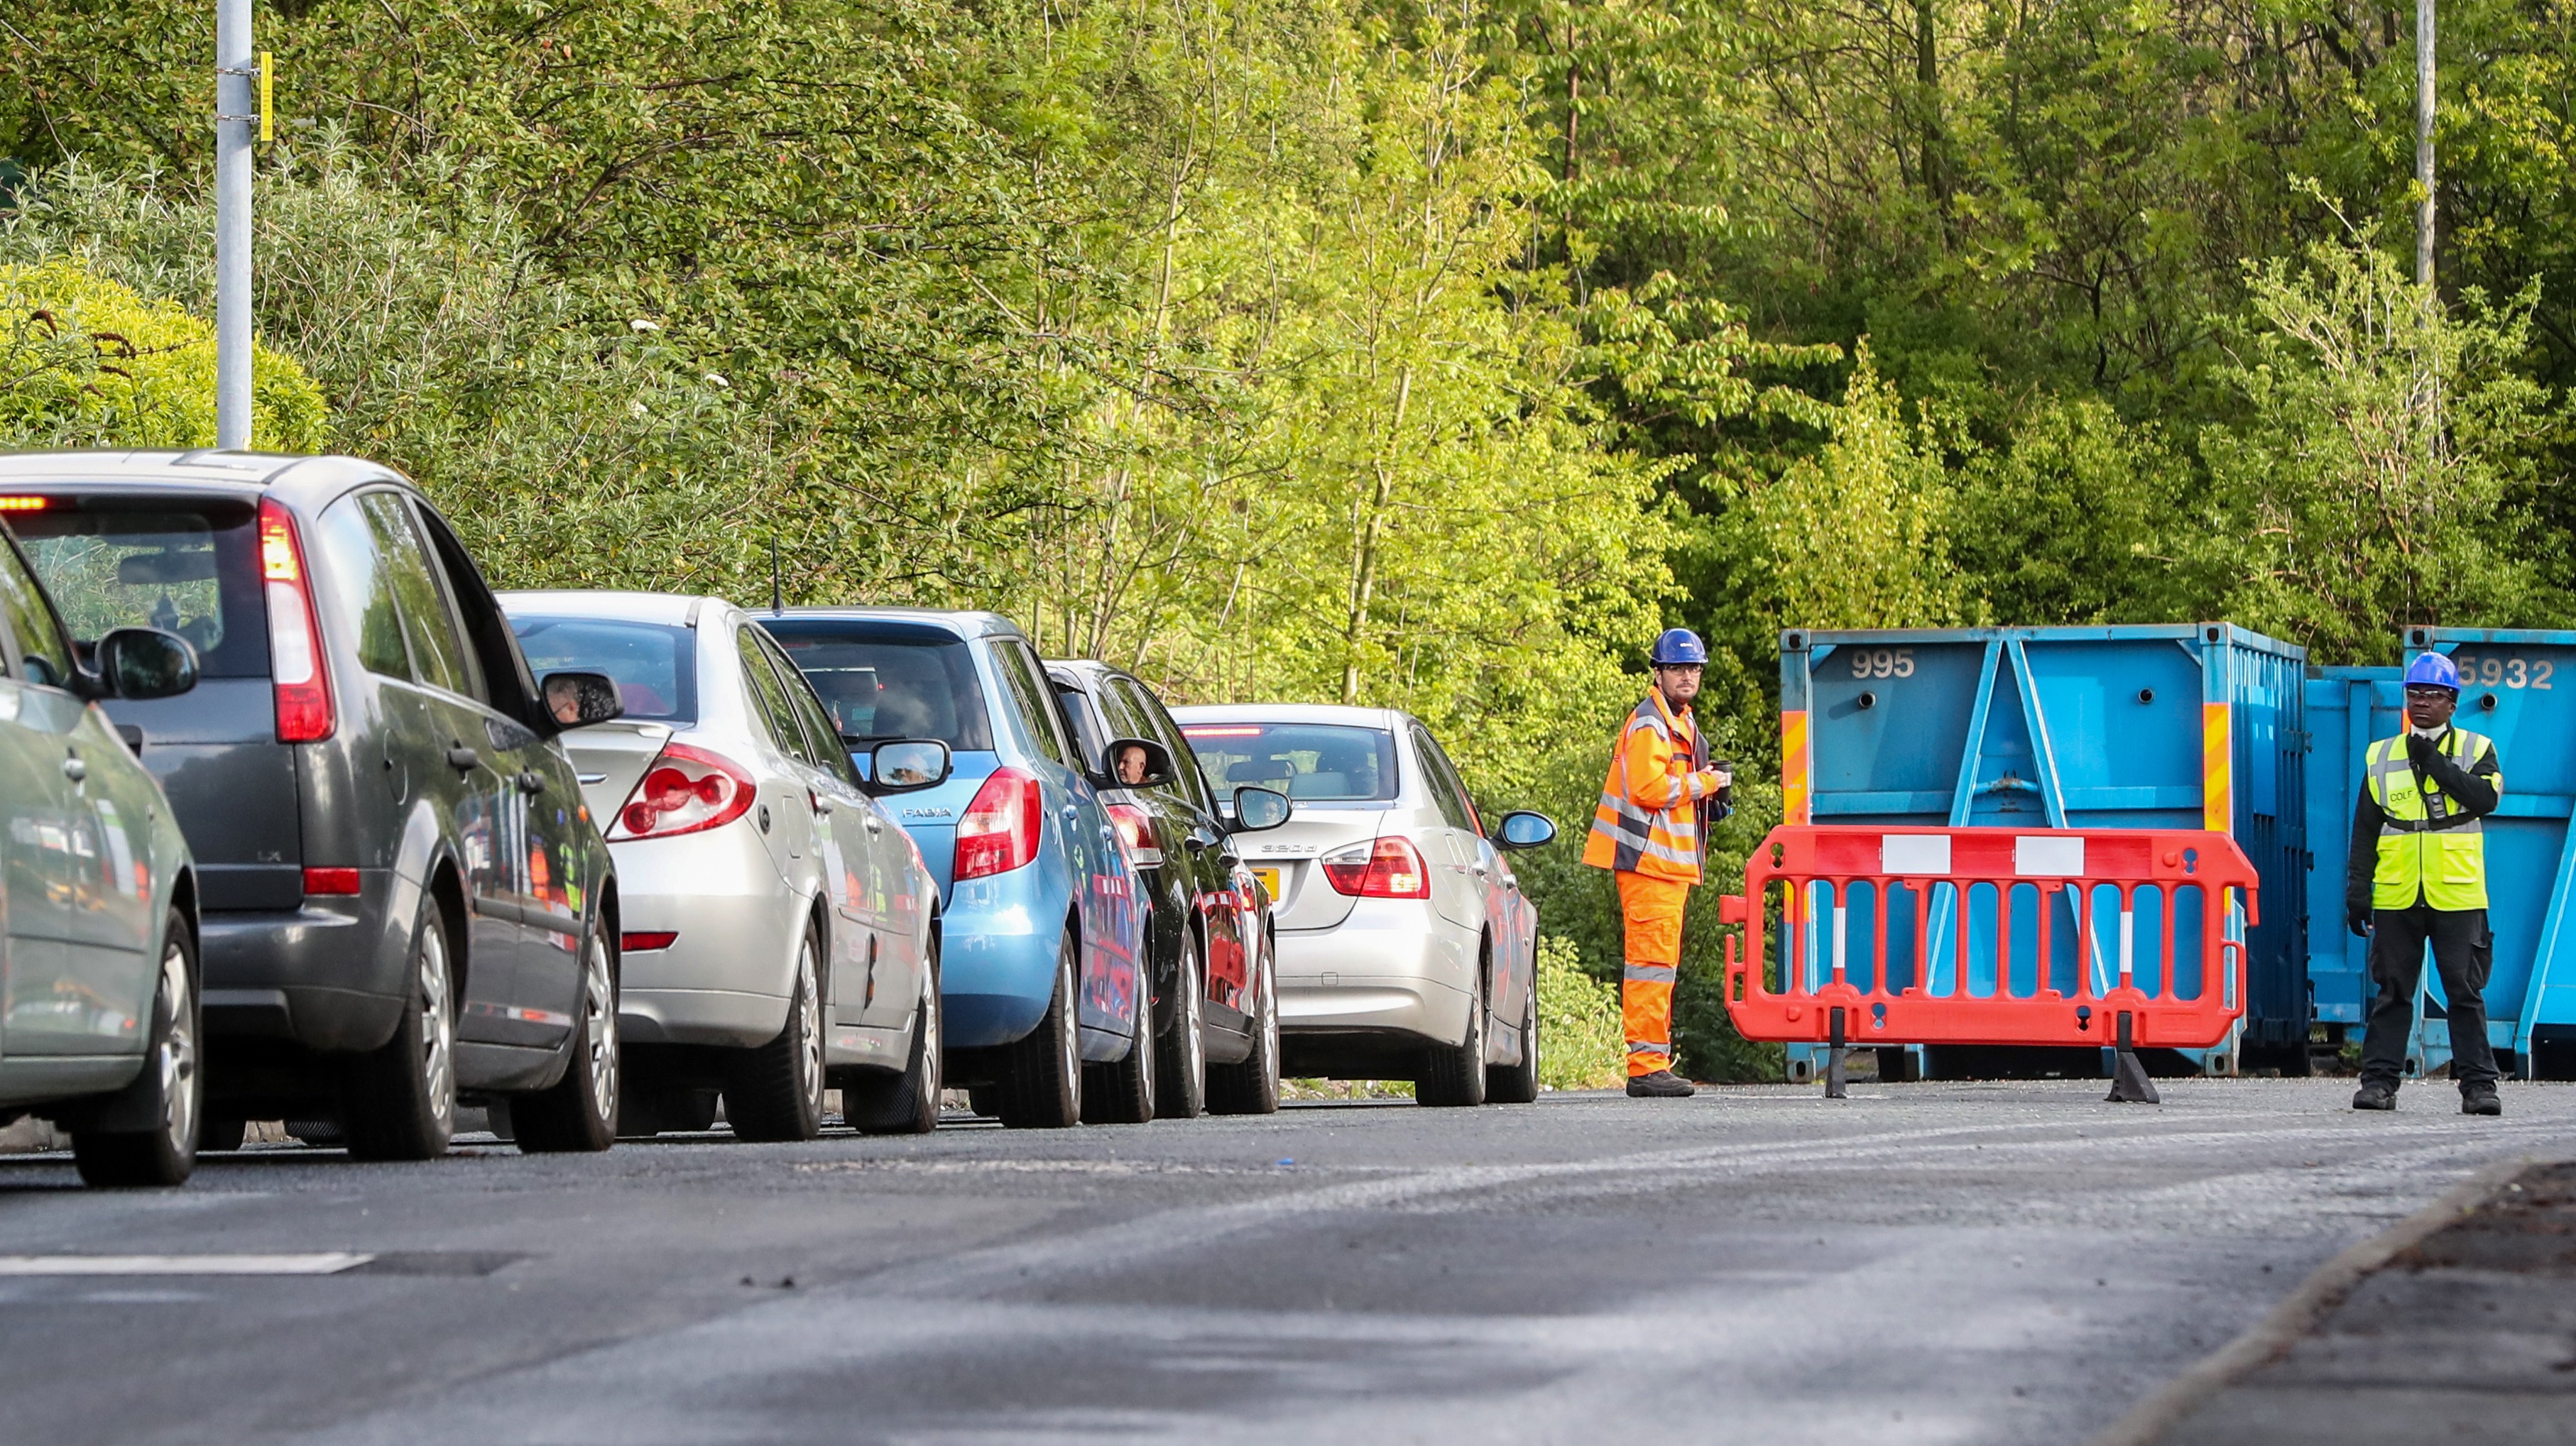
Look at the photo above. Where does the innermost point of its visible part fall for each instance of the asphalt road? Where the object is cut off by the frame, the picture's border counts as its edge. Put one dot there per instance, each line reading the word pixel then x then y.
pixel 1930 1263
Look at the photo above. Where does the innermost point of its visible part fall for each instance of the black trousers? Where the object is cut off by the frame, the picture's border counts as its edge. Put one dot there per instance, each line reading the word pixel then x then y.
pixel 2463 950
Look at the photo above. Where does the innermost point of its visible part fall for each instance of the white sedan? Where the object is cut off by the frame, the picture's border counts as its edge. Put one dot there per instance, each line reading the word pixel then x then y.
pixel 1406 949
pixel 780 928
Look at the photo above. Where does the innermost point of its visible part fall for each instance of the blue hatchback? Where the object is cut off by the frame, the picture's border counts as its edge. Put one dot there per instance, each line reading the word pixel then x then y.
pixel 1041 931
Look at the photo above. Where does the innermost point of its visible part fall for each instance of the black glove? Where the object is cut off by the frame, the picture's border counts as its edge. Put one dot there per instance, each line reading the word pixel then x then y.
pixel 2356 917
pixel 2420 750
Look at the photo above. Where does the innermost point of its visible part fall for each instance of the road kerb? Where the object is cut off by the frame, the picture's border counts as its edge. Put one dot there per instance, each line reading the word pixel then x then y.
pixel 2270 1338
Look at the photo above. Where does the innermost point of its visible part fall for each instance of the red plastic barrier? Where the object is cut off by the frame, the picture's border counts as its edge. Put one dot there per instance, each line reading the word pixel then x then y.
pixel 2188 1011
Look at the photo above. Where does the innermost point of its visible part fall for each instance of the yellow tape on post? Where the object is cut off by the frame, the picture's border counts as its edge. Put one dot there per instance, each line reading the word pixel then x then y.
pixel 267 68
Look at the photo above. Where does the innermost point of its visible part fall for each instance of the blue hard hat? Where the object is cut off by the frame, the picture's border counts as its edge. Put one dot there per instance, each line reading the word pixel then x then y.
pixel 1678 645
pixel 2432 670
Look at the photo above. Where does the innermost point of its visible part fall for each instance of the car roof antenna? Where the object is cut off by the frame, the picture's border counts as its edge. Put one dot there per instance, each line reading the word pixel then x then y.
pixel 776 603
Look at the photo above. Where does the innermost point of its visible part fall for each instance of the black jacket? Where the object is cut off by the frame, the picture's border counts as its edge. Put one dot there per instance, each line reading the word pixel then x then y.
pixel 2467 789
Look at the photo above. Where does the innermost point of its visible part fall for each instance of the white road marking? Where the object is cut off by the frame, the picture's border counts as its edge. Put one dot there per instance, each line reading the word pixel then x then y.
pixel 326 1262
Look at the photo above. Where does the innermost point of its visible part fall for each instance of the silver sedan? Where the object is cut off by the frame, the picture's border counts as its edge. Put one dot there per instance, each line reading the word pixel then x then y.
pixel 1406 949
pixel 780 929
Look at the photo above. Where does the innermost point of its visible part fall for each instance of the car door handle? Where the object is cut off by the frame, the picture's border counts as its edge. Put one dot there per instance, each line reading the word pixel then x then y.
pixel 464 760
pixel 532 782
pixel 75 770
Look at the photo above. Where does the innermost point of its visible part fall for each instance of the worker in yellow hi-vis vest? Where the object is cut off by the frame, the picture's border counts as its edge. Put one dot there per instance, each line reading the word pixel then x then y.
pixel 1651 831
pixel 2417 874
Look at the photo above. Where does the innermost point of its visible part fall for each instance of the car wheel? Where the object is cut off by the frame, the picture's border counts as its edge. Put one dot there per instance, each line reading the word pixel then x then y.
pixel 222 1134
pixel 580 1113
pixel 775 1091
pixel 1041 1083
pixel 176 1092
pixel 985 1100
pixel 1121 1092
pixel 402 1097
pixel 878 1103
pixel 1454 1075
pixel 1182 1094
pixel 1517 1084
pixel 1251 1087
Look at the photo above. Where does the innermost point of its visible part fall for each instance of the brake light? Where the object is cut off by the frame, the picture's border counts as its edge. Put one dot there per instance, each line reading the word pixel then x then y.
pixel 1207 730
pixel 1385 868
pixel 999 831
pixel 1136 833
pixel 685 790
pixel 25 504
pixel 646 941
pixel 330 881
pixel 295 664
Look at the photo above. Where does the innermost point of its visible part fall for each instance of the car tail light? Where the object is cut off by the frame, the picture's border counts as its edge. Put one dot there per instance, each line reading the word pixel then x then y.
pixel 645 941
pixel 25 504
pixel 1136 833
pixel 330 881
pixel 1384 868
pixel 295 663
pixel 999 831
pixel 685 790
pixel 1214 730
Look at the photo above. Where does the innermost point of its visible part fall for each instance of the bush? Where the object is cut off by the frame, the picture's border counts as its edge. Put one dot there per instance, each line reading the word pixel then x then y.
pixel 85 362
pixel 1581 1042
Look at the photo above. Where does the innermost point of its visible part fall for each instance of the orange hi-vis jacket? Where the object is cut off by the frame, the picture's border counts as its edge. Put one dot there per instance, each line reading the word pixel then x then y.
pixel 1653 802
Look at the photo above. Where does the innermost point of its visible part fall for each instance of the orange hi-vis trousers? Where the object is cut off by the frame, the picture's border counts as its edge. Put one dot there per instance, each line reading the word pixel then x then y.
pixel 1652 910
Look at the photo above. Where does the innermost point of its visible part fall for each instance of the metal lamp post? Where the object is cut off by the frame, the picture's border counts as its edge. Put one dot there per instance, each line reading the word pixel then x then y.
pixel 235 116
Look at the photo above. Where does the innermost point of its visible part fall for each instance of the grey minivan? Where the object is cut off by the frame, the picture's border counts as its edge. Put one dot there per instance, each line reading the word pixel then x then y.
pixel 406 904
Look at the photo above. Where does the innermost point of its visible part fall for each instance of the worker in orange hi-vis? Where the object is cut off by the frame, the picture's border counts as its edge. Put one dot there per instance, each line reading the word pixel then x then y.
pixel 1651 830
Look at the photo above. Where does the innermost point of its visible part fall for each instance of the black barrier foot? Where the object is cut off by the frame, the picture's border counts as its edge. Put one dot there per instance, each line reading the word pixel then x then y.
pixel 2129 1082
pixel 1835 1078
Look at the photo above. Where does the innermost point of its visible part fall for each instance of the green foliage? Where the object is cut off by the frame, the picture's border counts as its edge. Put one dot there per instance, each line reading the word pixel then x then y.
pixel 2382 438
pixel 1582 1043
pixel 85 362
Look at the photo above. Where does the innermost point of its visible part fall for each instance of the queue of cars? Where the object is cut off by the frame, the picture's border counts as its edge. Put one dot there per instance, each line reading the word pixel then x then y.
pixel 306 822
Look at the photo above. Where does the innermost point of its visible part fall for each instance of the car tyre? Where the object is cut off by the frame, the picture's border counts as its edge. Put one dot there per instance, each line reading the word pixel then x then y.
pixel 167 1152
pixel 1251 1087
pixel 579 1114
pixel 1122 1091
pixel 1454 1075
pixel 1517 1084
pixel 222 1134
pixel 878 1103
pixel 1041 1076
pixel 775 1091
pixel 1182 1091
pixel 402 1096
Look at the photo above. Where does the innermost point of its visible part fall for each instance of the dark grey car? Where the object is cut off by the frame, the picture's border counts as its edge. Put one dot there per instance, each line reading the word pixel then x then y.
pixel 406 903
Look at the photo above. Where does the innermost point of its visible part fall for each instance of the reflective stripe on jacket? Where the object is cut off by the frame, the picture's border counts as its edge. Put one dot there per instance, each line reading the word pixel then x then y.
pixel 2428 845
pixel 1648 821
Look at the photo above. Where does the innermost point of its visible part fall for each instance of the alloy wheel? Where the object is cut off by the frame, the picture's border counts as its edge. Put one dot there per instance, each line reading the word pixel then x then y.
pixel 809 1020
pixel 599 1006
pixel 437 1029
pixel 177 1055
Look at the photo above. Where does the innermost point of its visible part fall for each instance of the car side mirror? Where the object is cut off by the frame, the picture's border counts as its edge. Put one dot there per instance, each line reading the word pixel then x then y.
pixel 1256 809
pixel 907 765
pixel 1152 770
pixel 1525 830
pixel 143 663
pixel 577 700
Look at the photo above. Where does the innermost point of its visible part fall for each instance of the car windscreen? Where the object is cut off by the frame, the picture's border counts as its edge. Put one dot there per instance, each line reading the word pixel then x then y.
pixel 655 666
pixel 883 680
pixel 1315 762
pixel 185 569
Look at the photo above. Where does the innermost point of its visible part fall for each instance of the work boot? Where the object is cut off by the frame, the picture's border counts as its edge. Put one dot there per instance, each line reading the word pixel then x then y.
pixel 2480 1099
pixel 1663 1084
pixel 2376 1096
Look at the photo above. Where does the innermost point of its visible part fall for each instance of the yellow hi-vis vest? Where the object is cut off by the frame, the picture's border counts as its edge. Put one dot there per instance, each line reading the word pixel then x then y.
pixel 2425 846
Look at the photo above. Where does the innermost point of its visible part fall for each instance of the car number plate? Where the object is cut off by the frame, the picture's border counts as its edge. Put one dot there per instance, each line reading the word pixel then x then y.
pixel 1269 882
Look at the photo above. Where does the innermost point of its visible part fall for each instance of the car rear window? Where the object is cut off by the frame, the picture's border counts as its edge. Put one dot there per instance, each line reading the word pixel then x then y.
pixel 889 680
pixel 1317 762
pixel 655 667
pixel 187 570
